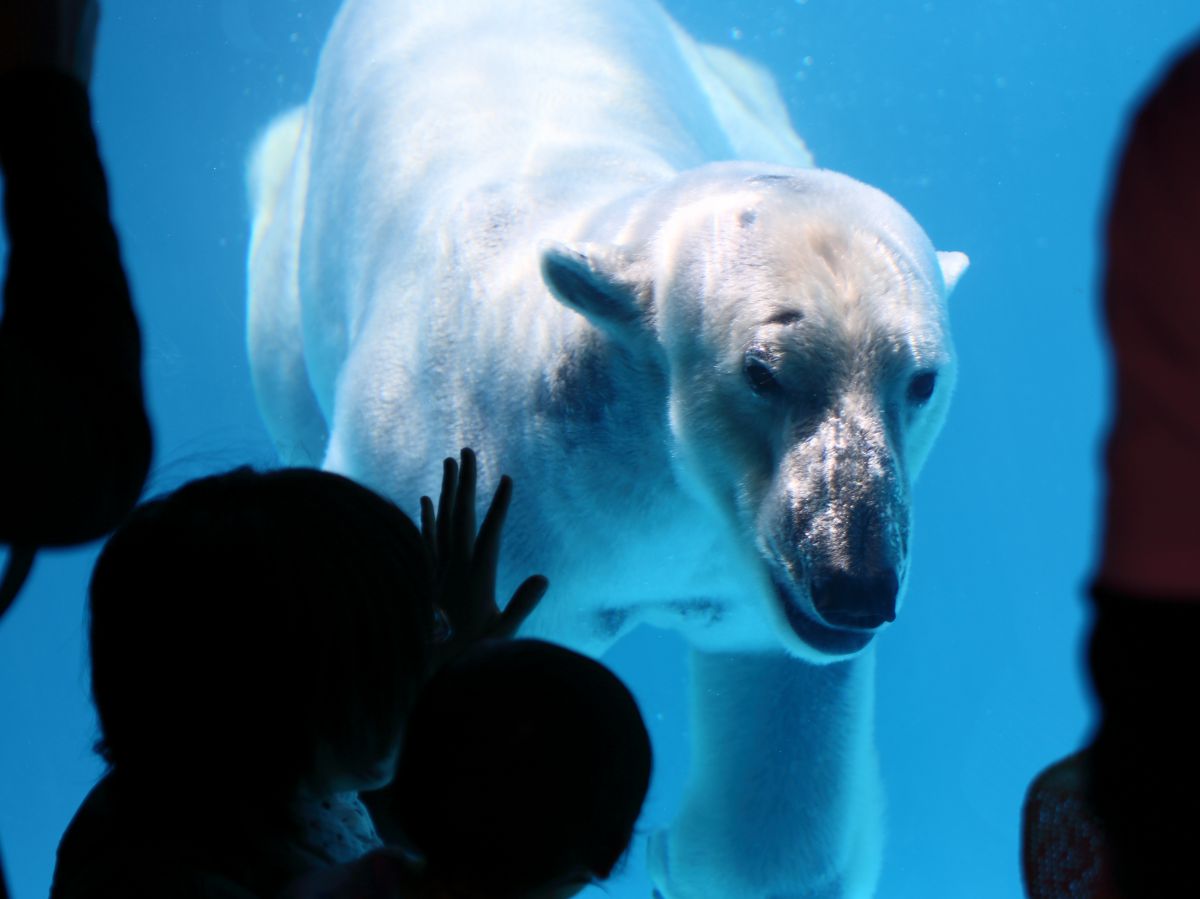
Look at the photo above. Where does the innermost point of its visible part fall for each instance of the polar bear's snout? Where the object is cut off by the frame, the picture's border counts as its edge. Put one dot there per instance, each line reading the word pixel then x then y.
pixel 841 544
pixel 856 546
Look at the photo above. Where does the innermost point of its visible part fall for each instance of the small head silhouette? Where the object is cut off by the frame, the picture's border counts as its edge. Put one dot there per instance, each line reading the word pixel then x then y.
pixel 524 770
pixel 250 629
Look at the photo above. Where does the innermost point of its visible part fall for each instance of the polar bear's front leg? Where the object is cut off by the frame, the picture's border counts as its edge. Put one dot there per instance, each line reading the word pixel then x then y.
pixel 785 799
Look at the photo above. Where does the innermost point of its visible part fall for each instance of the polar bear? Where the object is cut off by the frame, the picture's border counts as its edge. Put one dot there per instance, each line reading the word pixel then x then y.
pixel 565 234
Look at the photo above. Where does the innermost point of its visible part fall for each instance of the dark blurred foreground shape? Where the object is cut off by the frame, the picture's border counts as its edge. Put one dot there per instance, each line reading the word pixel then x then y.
pixel 75 442
pixel 256 639
pixel 523 773
pixel 1122 818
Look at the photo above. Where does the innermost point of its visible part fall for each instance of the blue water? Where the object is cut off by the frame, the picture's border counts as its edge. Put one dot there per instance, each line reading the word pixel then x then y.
pixel 995 123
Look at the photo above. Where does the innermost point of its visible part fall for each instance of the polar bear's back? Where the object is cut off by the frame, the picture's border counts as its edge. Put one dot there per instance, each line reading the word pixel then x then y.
pixel 454 95
pixel 449 139
pixel 566 104
pixel 446 141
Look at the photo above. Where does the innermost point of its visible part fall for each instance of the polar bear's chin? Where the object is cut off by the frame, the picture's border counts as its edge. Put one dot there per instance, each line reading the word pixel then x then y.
pixel 832 644
pixel 819 642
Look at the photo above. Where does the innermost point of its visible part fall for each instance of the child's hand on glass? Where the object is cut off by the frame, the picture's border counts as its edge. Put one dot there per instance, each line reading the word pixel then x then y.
pixel 465 562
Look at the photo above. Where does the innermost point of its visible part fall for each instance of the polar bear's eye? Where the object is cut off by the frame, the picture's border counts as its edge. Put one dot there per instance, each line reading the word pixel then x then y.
pixel 759 374
pixel 920 388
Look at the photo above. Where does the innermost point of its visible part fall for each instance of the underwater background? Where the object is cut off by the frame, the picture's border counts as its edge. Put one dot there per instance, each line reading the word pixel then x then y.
pixel 995 123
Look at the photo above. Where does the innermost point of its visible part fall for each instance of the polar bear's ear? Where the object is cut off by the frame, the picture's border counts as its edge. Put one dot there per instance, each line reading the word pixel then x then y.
pixel 953 264
pixel 603 283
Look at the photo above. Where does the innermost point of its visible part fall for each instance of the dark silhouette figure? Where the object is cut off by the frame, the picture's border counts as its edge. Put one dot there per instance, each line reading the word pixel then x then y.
pixel 257 640
pixel 1120 819
pixel 75 442
pixel 1145 759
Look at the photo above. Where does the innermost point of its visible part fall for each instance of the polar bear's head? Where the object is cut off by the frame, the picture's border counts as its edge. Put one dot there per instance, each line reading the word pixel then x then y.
pixel 799 318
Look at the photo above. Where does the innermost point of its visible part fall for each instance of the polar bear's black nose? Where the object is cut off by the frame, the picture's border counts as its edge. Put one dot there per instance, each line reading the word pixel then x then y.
pixel 859 601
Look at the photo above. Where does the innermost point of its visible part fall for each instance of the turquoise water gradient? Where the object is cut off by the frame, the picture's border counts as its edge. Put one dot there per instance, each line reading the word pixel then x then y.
pixel 995 123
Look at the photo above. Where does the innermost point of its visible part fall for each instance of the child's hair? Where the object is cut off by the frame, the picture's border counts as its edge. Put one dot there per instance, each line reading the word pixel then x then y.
pixel 523 762
pixel 249 618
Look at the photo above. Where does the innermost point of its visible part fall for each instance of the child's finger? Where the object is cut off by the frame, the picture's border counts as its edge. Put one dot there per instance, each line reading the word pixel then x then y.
pixel 464 511
pixel 429 527
pixel 445 510
pixel 522 604
pixel 487 544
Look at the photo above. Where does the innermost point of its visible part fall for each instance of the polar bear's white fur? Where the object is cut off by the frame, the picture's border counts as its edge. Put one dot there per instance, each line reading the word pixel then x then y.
pixel 522 227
